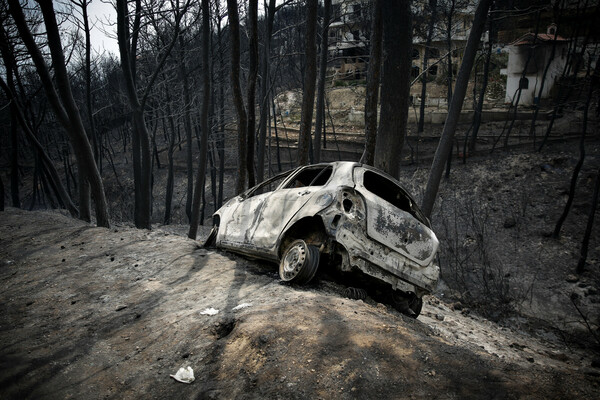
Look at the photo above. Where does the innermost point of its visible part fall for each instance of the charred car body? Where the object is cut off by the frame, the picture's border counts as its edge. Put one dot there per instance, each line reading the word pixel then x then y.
pixel 348 214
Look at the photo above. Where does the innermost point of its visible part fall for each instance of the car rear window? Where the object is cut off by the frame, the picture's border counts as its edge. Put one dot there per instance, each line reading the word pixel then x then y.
pixel 389 191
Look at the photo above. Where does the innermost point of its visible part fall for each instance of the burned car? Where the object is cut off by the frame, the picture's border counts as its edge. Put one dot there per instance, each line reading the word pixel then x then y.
pixel 345 214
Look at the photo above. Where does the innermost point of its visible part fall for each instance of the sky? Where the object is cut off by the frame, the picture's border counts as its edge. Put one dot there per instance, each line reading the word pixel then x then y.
pixel 104 16
pixel 104 32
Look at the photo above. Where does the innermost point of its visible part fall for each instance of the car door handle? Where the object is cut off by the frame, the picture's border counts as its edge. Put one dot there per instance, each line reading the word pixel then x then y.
pixel 304 193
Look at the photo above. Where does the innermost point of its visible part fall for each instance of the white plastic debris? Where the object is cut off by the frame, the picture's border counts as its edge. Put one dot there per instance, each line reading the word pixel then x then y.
pixel 240 306
pixel 210 311
pixel 184 375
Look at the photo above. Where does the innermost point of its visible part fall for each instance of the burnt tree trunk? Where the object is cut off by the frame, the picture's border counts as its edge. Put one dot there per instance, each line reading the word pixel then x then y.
pixel 187 126
pixel 200 177
pixel 579 164
pixel 142 156
pixel 221 118
pixel 449 72
pixel 62 101
pixel 430 26
pixel 310 77
pixel 589 225
pixel 320 117
pixel 251 87
pixel 479 109
pixel 558 14
pixel 44 160
pixel 563 93
pixel 7 56
pixel 238 100
pixel 1 195
pixel 373 75
pixel 445 145
pixel 265 92
pixel 395 85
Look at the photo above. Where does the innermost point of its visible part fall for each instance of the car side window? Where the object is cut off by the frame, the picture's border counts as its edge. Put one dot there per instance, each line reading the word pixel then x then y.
pixel 311 176
pixel 267 186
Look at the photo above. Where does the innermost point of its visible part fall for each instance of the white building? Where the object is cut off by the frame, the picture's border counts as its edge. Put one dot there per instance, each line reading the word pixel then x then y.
pixel 538 50
pixel 348 44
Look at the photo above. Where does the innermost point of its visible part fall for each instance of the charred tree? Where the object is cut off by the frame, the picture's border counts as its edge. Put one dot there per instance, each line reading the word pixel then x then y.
pixel 395 85
pixel 265 92
pixel 1 195
pixel 251 88
pixel 373 76
pixel 319 119
pixel 565 91
pixel 221 117
pixel 187 127
pixel 61 100
pixel 42 158
pixel 479 108
pixel 449 71
pixel 238 100
pixel 430 26
pixel 445 145
pixel 200 177
pixel 588 229
pixel 577 169
pixel 557 13
pixel 142 157
pixel 7 53
pixel 310 77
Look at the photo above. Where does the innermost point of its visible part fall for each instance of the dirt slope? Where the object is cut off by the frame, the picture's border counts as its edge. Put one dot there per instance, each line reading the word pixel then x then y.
pixel 96 313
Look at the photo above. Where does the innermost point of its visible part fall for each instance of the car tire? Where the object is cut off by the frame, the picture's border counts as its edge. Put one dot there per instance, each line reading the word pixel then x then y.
pixel 407 303
pixel 416 305
pixel 299 263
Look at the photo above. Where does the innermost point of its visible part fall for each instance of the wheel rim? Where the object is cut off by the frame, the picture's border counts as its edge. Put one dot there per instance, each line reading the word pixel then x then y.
pixel 294 260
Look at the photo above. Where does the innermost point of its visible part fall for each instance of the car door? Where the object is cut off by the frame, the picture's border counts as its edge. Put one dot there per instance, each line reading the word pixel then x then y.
pixel 281 205
pixel 241 219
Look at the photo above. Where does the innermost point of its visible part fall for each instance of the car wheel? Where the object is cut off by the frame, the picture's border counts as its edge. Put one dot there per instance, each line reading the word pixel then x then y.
pixel 407 303
pixel 299 262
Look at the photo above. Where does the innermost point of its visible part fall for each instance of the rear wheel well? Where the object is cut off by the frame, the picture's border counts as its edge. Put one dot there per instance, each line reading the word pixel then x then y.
pixel 309 229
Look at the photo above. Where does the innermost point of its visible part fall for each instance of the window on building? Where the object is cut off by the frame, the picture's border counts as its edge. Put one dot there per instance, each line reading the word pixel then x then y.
pixel 336 12
pixel 434 52
pixel 414 72
pixel 415 54
pixel 433 70
pixel 357 11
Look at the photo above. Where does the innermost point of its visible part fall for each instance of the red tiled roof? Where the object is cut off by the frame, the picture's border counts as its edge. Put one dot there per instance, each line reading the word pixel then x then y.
pixel 529 38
